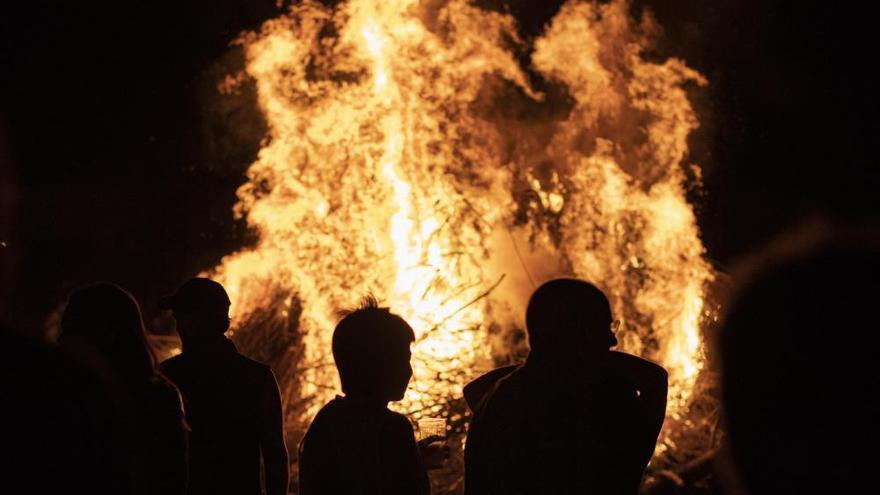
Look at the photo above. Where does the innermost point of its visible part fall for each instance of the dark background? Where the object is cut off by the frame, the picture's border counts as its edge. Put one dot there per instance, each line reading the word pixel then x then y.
pixel 121 171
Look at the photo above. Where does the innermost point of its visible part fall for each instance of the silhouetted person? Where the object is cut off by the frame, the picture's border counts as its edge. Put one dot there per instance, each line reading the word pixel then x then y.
pixel 233 404
pixel 799 368
pixel 576 418
pixel 355 445
pixel 102 324
pixel 61 430
pixel 478 389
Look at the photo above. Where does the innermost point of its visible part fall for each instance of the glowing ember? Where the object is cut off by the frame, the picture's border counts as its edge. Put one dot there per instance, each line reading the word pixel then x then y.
pixel 402 141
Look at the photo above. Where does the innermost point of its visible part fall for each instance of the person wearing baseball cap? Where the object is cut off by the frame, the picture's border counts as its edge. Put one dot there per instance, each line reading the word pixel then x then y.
pixel 233 404
pixel 201 310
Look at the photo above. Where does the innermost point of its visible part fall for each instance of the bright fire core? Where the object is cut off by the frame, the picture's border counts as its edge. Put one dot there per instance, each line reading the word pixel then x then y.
pixel 415 152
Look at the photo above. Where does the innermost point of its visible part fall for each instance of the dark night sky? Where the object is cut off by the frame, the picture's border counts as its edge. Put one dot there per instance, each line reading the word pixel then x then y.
pixel 119 176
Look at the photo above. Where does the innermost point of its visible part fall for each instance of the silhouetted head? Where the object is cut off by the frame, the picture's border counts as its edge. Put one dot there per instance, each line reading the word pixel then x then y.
pixel 371 347
pixel 108 321
pixel 798 374
pixel 568 317
pixel 201 310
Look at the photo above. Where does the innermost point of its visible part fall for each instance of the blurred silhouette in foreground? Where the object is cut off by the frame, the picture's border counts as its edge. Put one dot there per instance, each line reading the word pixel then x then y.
pixel 102 325
pixel 61 428
pixel 799 373
pixel 356 445
pixel 233 404
pixel 576 417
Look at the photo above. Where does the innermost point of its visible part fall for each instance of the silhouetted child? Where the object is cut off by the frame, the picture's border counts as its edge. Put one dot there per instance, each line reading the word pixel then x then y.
pixel 355 445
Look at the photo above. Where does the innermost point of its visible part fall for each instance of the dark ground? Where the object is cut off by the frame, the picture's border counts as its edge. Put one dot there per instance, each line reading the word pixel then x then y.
pixel 123 172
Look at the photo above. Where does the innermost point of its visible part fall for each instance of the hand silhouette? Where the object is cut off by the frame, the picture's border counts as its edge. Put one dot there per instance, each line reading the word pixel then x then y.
pixel 434 451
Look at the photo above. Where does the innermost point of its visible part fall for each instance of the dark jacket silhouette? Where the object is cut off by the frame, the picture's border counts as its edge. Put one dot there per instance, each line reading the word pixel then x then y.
pixel 355 445
pixel 477 390
pixel 61 429
pixel 576 418
pixel 233 404
pixel 799 370
pixel 102 326
pixel 358 447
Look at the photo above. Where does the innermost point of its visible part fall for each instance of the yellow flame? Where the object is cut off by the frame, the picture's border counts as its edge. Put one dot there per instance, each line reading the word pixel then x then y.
pixel 391 159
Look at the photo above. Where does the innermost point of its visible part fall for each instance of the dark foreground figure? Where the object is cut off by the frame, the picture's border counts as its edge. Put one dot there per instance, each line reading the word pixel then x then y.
pixel 576 418
pixel 61 429
pixel 799 367
pixel 102 326
pixel 232 402
pixel 356 445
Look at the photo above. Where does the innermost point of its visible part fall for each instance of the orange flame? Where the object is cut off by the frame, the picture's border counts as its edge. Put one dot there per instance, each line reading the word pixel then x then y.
pixel 395 155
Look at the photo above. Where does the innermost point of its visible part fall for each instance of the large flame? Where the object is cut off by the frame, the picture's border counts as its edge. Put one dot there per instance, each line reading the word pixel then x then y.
pixel 408 149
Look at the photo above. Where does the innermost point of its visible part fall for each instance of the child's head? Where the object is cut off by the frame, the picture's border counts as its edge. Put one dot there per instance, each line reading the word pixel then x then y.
pixel 371 347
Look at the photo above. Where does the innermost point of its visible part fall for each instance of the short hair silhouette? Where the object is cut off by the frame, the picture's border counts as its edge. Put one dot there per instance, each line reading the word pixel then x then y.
pixel 108 319
pixel 567 312
pixel 370 343
pixel 576 417
pixel 798 367
pixel 202 301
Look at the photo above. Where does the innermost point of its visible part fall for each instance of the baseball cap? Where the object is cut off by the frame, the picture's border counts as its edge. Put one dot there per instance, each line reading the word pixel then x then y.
pixel 198 296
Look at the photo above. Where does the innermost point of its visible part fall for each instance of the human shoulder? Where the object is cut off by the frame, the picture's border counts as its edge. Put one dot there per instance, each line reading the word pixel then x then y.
pixel 330 413
pixel 342 410
pixel 510 386
pixel 251 363
pixel 397 428
pixel 163 397
pixel 161 385
pixel 172 364
pixel 253 367
pixel 397 420
pixel 513 399
pixel 324 422
pixel 620 361
pixel 330 409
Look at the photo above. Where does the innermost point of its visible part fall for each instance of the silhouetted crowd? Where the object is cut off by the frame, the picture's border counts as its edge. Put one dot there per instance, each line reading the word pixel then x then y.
pixel 97 414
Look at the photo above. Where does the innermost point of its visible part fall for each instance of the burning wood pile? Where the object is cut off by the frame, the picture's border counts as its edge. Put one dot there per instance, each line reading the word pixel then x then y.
pixel 423 152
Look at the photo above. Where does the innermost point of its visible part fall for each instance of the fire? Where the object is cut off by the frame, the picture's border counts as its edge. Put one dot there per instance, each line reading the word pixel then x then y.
pixel 402 144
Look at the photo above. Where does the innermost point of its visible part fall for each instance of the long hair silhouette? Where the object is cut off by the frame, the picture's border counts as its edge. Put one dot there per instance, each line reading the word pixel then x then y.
pixel 108 320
